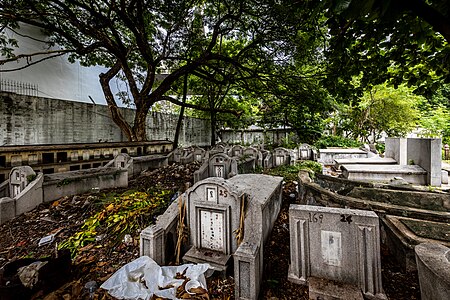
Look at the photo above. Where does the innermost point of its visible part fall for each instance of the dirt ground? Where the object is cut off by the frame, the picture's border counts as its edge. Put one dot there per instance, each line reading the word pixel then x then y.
pixel 97 261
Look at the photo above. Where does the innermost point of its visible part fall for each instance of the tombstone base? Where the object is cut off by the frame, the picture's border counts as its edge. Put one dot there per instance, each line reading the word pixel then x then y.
pixel 324 289
pixel 217 260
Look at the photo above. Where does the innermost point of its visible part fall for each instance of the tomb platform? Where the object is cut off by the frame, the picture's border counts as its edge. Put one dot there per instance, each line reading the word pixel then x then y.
pixel 323 289
pixel 376 160
pixel 217 260
pixel 413 174
pixel 329 155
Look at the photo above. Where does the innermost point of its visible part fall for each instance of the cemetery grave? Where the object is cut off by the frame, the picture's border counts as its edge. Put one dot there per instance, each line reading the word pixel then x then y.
pixel 63 217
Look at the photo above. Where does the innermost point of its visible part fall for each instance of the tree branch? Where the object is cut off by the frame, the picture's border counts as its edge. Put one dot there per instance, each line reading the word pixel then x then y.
pixel 193 106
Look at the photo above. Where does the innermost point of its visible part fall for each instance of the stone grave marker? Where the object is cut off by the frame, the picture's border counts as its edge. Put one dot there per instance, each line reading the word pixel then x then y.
pixel 306 152
pixel 121 161
pixel 338 245
pixel 236 150
pixel 213 213
pixel 177 154
pixel 281 156
pixel 253 152
pixel 19 177
pixel 221 165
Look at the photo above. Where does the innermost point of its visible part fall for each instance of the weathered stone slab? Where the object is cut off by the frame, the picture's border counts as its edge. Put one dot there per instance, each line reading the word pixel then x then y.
pixel 396 148
pixel 383 173
pixel 323 289
pixel 415 199
pixel 328 156
pixel 58 185
pixel 426 152
pixel 375 160
pixel 433 265
pixel 336 244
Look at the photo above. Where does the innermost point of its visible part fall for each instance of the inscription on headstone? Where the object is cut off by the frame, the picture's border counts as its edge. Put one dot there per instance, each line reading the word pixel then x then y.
pixel 336 244
pixel 212 230
pixel 331 247
pixel 219 171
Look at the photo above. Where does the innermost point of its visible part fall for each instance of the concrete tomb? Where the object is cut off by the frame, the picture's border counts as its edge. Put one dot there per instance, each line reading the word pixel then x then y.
pixel 255 153
pixel 233 217
pixel 413 174
pixel 328 156
pixel 122 161
pixel 221 165
pixel 338 245
pixel 306 152
pixel 22 191
pixel 218 165
pixel 376 160
pixel 396 148
pixel 433 265
pixel 176 155
pixel 193 154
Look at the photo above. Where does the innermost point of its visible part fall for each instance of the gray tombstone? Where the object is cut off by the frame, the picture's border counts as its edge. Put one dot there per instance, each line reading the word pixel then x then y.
pixel 255 153
pixel 213 213
pixel 122 161
pixel 335 244
pixel 218 148
pixel 236 150
pixel 305 152
pixel 221 165
pixel 177 154
pixel 18 179
pixel 281 156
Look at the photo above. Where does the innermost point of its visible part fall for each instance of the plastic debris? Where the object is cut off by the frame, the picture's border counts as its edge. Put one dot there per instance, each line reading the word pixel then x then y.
pixel 46 240
pixel 29 275
pixel 144 278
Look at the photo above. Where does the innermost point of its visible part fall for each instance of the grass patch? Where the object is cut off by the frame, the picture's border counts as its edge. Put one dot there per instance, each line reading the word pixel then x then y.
pixel 290 172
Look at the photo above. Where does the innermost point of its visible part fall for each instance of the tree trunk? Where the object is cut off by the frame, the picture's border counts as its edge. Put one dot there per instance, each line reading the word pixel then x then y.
pixel 116 115
pixel 213 128
pixel 140 125
pixel 180 117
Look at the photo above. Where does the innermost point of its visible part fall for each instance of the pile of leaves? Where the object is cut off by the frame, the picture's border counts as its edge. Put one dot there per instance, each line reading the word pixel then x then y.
pixel 120 216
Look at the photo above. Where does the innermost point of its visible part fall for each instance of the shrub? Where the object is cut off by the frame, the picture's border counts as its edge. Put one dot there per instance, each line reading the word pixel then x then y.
pixel 336 141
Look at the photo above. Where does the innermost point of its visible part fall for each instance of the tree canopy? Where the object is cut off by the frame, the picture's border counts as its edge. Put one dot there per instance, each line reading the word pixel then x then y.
pixel 297 59
pixel 138 39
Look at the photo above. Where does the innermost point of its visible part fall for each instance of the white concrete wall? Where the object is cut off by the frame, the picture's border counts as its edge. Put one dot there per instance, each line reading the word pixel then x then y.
pixel 56 77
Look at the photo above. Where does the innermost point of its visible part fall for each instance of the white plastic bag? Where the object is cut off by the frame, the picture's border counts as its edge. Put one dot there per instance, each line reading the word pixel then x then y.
pixel 128 281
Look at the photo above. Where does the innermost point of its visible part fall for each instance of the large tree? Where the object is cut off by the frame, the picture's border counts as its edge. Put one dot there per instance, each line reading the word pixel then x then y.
pixel 138 39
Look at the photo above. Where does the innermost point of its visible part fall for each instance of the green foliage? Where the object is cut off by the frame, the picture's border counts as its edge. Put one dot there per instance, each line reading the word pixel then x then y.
pixel 381 109
pixel 290 172
pixel 120 215
pixel 336 141
pixel 435 122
